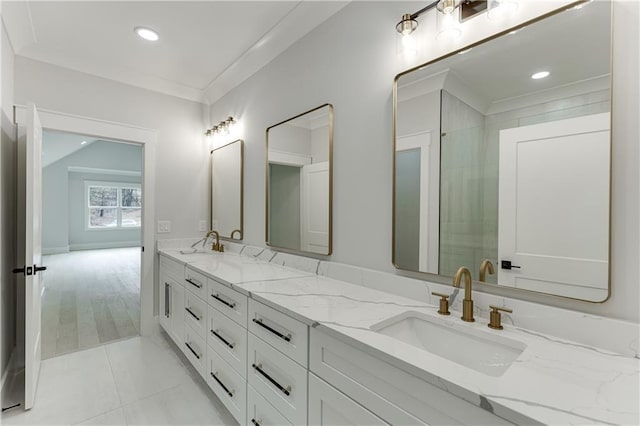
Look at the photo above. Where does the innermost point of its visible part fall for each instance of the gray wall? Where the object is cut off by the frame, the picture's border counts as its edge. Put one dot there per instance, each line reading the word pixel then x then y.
pixel 284 206
pixel 322 67
pixel 63 197
pixel 182 154
pixel 8 155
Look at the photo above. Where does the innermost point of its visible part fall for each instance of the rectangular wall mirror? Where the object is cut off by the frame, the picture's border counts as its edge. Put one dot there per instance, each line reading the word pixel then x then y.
pixel 502 154
pixel 227 189
pixel 299 182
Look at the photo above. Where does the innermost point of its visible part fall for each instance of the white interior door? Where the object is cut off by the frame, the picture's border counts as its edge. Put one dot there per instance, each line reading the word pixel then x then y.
pixel 554 207
pixel 314 207
pixel 33 269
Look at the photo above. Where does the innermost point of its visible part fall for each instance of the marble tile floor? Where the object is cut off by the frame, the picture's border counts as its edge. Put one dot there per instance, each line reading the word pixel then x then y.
pixel 137 381
pixel 91 297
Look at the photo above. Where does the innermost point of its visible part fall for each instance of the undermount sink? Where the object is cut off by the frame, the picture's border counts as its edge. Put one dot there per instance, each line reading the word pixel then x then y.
pixel 483 351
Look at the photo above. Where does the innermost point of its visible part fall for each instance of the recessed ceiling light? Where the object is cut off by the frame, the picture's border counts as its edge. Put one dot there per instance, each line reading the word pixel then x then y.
pixel 539 75
pixel 83 142
pixel 146 33
pixel 464 51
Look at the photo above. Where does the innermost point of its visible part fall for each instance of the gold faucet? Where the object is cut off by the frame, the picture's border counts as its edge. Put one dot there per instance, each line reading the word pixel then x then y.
pixel 216 246
pixel 484 266
pixel 467 303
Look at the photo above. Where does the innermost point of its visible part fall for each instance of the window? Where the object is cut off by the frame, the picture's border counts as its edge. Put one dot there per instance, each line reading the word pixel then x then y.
pixel 113 205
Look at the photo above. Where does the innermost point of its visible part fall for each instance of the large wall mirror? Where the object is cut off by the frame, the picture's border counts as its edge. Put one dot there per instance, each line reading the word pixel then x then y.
pixel 299 182
pixel 227 189
pixel 502 154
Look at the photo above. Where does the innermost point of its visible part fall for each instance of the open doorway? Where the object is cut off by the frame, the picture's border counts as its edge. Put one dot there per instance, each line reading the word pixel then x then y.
pixel 91 241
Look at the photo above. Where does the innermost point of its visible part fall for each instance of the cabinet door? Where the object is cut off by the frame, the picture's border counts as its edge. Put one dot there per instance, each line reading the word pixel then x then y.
pixel 177 313
pixel 330 407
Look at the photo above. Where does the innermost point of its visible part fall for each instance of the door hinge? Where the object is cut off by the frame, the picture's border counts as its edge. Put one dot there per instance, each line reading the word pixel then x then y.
pixel 143 249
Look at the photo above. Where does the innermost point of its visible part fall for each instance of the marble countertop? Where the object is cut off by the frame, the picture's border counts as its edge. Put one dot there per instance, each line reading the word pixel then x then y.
pixel 553 381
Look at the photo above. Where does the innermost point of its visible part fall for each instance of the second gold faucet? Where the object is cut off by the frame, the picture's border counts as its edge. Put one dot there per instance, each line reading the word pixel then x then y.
pixel 467 303
pixel 215 246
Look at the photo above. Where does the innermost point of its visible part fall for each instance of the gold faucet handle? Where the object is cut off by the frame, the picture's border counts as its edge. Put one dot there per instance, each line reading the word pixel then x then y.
pixel 495 318
pixel 444 303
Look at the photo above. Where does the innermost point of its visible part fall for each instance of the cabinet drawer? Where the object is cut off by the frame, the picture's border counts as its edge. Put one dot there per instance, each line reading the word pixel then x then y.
pixel 390 393
pixel 229 339
pixel 279 379
pixel 228 385
pixel 172 268
pixel 194 347
pixel 195 313
pixel 289 336
pixel 228 301
pixel 330 407
pixel 260 412
pixel 195 282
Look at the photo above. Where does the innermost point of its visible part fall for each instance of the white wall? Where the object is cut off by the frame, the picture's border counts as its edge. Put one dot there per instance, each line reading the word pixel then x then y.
pixel 63 221
pixel 350 61
pixel 7 204
pixel 182 154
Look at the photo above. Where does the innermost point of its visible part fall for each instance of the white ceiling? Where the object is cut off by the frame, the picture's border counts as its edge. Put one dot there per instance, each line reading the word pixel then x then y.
pixel 205 49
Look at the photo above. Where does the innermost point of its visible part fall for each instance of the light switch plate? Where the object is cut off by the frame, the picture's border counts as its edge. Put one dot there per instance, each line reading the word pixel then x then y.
pixel 164 226
pixel 203 226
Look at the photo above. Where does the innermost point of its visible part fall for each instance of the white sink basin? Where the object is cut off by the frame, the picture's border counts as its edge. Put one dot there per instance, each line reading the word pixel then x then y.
pixel 483 351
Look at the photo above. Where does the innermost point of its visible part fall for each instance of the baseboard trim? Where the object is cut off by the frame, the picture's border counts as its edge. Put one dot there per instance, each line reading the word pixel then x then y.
pixel 98 246
pixel 55 250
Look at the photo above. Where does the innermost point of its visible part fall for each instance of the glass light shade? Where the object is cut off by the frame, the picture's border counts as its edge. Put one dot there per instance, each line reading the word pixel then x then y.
pixel 448 25
pixel 498 9
pixel 407 45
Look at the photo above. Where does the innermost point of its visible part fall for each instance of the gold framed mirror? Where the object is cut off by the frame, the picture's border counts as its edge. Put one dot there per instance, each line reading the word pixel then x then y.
pixel 227 190
pixel 299 182
pixel 502 158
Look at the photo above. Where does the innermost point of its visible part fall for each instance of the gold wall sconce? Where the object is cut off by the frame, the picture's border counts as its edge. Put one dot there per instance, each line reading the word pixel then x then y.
pixel 223 127
pixel 451 14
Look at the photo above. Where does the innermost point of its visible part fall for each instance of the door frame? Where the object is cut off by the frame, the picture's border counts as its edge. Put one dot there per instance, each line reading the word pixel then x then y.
pixel 147 138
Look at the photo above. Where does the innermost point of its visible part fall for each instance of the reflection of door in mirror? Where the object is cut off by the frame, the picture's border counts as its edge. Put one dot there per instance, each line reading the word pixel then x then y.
pixel 550 247
pixel 417 192
pixel 226 190
pixel 298 185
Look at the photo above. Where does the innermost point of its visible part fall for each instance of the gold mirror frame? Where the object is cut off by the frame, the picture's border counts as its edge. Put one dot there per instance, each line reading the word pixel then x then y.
pixel 447 279
pixel 266 222
pixel 240 231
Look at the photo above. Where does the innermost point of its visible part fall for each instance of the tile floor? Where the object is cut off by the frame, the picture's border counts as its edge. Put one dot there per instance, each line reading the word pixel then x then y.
pixel 137 381
pixel 91 297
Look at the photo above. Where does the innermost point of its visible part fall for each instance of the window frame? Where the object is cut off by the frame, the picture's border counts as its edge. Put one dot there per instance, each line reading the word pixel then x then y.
pixel 88 184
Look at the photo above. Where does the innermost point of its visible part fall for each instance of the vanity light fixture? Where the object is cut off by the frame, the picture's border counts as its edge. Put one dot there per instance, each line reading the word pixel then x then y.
pixel 540 75
pixel 224 126
pixel 146 33
pixel 448 20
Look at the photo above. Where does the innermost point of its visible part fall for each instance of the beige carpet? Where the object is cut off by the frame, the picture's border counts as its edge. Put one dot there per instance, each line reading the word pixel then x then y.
pixel 91 297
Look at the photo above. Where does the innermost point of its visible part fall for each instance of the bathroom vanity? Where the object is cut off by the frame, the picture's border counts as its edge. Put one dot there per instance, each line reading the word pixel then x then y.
pixel 290 345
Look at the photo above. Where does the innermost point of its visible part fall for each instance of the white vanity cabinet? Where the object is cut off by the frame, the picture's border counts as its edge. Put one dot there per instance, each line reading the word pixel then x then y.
pixel 172 299
pixel 330 407
pixel 226 334
pixel 277 363
pixel 387 391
